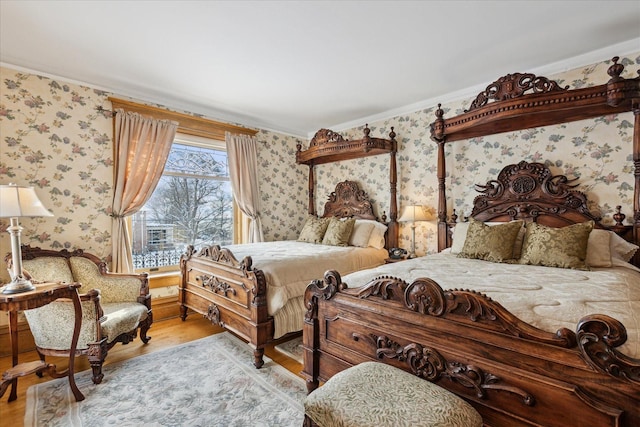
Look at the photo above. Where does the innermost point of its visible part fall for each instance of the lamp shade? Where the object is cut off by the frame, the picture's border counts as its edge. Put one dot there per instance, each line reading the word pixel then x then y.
pixel 415 213
pixel 18 201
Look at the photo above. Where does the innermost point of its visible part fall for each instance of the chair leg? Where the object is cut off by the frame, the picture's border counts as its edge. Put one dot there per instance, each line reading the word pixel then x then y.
pixel 144 327
pixel 96 354
pixel 40 374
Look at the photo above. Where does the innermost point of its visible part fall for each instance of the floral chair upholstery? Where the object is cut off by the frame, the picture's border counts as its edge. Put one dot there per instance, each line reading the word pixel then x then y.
pixel 114 305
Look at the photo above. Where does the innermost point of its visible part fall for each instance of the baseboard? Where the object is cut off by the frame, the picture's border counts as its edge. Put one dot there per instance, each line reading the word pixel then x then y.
pixel 163 308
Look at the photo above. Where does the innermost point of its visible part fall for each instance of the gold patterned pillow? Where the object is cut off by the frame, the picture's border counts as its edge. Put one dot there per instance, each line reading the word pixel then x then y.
pixel 338 232
pixel 564 247
pixel 491 243
pixel 313 230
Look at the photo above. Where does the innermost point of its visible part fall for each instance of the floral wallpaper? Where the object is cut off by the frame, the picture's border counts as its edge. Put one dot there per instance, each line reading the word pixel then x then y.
pixel 54 138
pixel 597 152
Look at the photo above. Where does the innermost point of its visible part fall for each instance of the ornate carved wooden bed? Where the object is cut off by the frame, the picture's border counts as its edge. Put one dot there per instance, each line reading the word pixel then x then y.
pixel 231 292
pixel 512 372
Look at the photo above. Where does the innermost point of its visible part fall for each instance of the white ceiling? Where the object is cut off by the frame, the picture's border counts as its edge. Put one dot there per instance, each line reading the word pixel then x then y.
pixel 298 66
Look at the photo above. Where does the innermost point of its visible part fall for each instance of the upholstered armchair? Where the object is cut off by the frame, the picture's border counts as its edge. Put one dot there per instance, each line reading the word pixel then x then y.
pixel 114 306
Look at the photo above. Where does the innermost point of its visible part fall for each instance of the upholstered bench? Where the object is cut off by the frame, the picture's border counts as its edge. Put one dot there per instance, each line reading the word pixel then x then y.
pixel 374 394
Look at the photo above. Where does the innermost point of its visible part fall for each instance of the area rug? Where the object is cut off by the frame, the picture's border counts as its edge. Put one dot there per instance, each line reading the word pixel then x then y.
pixel 208 382
pixel 292 348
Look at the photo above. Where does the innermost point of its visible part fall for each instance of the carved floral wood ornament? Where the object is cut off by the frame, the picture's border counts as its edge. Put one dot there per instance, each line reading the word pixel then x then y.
pixel 514 85
pixel 529 190
pixel 348 200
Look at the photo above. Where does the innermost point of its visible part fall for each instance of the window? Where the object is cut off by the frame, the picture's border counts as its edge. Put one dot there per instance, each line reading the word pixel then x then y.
pixel 192 205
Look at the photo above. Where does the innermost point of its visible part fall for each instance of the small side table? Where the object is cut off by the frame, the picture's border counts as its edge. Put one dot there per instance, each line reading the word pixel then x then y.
pixel 42 295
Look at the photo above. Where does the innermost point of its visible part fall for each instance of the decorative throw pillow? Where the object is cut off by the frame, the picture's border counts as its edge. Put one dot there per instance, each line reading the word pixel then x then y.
pixel 491 243
pixel 361 234
pixel 622 249
pixel 338 232
pixel 313 230
pixel 459 236
pixel 564 247
pixel 599 249
pixel 376 240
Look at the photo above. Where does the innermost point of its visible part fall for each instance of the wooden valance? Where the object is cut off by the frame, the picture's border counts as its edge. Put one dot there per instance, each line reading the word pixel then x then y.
pixel 188 124
pixel 328 146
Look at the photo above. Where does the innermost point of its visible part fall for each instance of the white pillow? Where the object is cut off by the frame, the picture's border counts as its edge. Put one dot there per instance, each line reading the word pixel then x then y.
pixel 599 249
pixel 460 235
pixel 622 249
pixel 361 234
pixel 376 240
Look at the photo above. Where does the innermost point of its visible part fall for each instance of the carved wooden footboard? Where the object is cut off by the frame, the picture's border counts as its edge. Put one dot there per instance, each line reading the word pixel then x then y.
pixel 230 293
pixel 511 372
pixel 233 294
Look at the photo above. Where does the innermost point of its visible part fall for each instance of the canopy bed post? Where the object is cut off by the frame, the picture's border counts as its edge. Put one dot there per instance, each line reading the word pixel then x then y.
pixel 636 172
pixel 392 239
pixel 312 202
pixel 438 137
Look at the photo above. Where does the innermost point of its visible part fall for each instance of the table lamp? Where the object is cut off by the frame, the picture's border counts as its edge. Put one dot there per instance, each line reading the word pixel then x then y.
pixel 18 201
pixel 413 214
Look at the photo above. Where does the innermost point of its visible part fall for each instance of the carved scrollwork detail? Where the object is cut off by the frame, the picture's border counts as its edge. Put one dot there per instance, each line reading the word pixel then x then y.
pixel 598 335
pixel 425 296
pixel 429 364
pixel 325 289
pixel 528 190
pixel 225 256
pixel 326 136
pixel 213 314
pixel 348 200
pixel 386 287
pixel 259 289
pixel 513 86
pixel 216 285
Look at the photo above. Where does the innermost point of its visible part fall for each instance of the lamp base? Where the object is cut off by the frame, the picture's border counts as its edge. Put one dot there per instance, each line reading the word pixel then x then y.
pixel 18 286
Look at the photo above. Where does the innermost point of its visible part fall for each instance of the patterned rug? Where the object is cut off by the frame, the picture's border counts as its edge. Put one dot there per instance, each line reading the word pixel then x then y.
pixel 208 382
pixel 292 348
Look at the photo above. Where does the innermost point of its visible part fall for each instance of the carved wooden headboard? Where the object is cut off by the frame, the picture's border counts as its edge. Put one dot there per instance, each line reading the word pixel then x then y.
pixel 522 101
pixel 348 200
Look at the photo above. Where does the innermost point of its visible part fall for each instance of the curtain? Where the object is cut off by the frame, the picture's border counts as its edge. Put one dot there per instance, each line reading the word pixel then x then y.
pixel 142 145
pixel 242 152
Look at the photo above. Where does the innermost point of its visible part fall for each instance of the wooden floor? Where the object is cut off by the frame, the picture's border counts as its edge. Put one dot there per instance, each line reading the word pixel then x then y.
pixel 166 333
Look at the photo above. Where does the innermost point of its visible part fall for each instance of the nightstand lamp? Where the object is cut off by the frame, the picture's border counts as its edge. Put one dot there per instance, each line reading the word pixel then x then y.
pixel 18 201
pixel 413 214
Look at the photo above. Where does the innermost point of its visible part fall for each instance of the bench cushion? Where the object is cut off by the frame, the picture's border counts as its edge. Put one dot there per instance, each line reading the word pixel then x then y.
pixel 375 394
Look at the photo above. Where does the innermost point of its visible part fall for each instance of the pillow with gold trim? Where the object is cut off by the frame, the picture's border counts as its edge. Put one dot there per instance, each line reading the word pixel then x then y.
pixel 491 243
pixel 564 247
pixel 338 232
pixel 313 230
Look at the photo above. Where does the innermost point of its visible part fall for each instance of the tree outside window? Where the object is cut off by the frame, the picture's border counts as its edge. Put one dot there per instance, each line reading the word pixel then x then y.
pixel 192 205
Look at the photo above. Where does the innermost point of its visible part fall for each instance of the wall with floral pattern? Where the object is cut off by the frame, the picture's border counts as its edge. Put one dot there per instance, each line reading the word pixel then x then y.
pixel 54 138
pixel 597 152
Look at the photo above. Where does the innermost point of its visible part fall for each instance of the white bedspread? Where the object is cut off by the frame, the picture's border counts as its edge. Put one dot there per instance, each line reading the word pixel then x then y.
pixel 548 298
pixel 289 266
